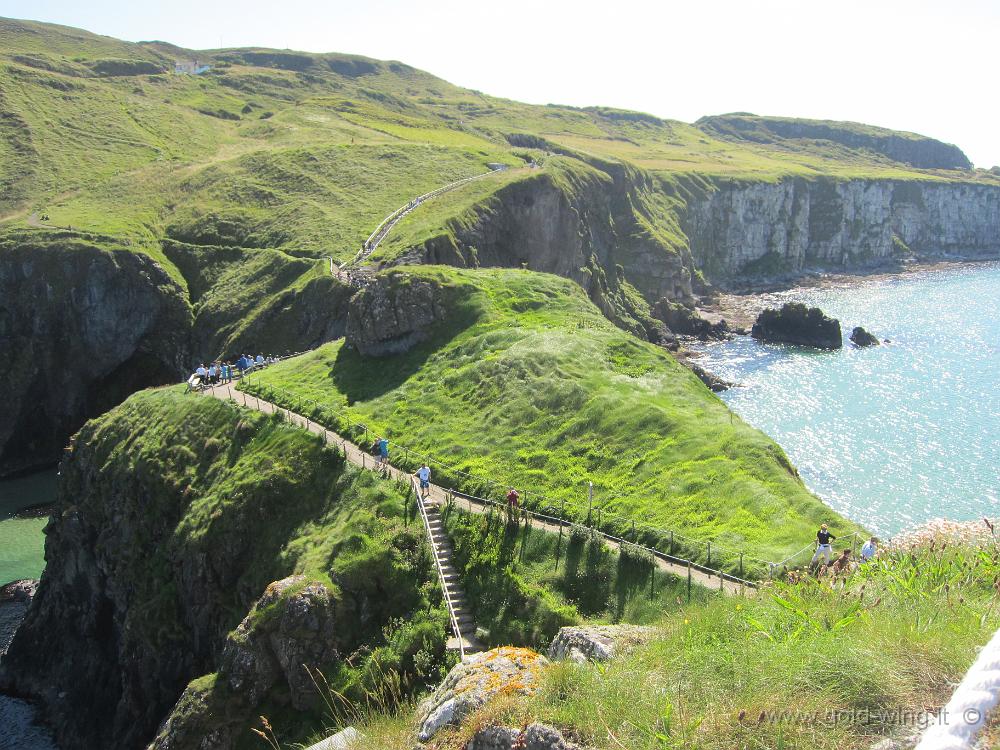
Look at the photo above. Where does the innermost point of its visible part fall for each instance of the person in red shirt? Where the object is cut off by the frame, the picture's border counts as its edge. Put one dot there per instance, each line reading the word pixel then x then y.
pixel 512 499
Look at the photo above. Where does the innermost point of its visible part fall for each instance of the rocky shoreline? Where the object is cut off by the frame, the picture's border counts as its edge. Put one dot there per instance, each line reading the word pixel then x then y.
pixel 739 307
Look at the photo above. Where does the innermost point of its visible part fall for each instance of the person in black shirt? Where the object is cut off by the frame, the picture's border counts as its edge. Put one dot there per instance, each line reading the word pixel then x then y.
pixel 823 547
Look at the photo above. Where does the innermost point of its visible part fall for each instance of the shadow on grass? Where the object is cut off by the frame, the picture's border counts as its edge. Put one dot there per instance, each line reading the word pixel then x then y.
pixel 361 378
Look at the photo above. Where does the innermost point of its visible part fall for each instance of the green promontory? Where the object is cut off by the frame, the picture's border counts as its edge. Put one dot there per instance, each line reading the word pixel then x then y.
pixel 520 380
pixel 180 518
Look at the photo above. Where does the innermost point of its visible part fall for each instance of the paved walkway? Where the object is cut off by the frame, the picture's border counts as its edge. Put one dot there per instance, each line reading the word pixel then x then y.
pixel 439 495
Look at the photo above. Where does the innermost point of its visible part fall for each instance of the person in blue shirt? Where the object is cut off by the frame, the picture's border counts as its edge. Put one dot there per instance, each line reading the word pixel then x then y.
pixel 869 549
pixel 383 451
pixel 424 475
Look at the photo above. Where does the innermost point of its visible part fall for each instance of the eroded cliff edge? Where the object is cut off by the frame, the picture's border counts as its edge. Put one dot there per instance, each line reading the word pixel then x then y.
pixel 81 327
pixel 746 230
pixel 178 524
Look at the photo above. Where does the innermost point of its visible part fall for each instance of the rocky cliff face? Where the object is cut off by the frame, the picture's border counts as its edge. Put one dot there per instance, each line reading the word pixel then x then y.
pixel 741 231
pixel 905 148
pixel 395 313
pixel 174 514
pixel 80 329
pixel 83 326
pixel 600 215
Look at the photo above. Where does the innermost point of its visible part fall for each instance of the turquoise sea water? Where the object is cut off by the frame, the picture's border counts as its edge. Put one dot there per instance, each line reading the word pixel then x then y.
pixel 896 434
pixel 21 540
pixel 21 547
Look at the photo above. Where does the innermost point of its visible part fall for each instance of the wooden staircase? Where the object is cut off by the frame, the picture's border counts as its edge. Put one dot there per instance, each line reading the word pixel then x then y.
pixel 463 637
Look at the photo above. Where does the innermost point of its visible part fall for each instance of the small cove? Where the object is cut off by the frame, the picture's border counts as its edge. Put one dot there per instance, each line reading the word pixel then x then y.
pixel 897 434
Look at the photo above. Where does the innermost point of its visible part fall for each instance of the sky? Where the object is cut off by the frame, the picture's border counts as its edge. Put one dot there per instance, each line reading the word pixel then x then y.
pixel 927 67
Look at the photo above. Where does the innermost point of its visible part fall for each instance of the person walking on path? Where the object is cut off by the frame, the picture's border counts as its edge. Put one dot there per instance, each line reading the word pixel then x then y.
pixel 512 504
pixel 512 499
pixel 383 451
pixel 869 549
pixel 424 475
pixel 823 547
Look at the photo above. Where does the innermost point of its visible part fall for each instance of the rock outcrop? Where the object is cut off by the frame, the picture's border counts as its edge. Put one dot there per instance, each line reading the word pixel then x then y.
pixel 14 600
pixel 470 685
pixel 81 328
pixel 683 320
pixel 795 323
pixel 596 642
pixel 740 231
pixel 861 337
pixel 394 313
pixel 532 737
pixel 291 630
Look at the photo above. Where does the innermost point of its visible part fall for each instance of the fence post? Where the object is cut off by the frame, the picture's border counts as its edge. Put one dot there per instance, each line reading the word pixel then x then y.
pixel 741 565
pixel 689 581
pixel 590 501
pixel 671 543
pixel 709 563
pixel 633 529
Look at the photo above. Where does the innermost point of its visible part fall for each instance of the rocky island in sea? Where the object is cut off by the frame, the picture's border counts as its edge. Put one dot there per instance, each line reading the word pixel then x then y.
pixel 445 469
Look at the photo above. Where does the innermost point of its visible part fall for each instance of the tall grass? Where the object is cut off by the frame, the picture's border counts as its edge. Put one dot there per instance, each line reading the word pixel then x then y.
pixel 834 664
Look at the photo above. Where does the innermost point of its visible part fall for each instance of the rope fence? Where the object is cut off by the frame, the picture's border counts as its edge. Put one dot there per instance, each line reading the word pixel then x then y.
pixel 709 556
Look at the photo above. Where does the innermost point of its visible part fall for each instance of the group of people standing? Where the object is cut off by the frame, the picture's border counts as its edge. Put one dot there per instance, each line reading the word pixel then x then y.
pixel 225 372
pixel 842 564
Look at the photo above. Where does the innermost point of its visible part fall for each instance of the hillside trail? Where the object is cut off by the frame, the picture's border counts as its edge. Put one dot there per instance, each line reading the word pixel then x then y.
pixel 371 244
pixel 440 495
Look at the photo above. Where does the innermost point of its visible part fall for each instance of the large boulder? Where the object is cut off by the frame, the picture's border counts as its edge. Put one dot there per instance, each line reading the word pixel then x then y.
pixel 861 337
pixel 596 642
pixel 393 313
pixel 532 737
pixel 795 323
pixel 342 740
pixel 290 630
pixel 470 685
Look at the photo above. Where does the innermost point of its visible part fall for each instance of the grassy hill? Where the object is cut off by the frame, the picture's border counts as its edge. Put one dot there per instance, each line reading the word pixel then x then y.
pixel 305 153
pixel 525 383
pixel 101 135
pixel 835 665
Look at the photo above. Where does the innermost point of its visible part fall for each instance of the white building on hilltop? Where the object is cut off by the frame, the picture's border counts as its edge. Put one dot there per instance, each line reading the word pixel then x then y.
pixel 190 67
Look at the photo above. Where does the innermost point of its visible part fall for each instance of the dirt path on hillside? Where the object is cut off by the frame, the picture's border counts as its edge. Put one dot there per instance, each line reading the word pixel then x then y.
pixel 439 495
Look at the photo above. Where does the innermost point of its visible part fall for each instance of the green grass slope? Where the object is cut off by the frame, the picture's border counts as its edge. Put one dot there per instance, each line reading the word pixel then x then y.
pixel 832 665
pixel 207 504
pixel 305 153
pixel 527 383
